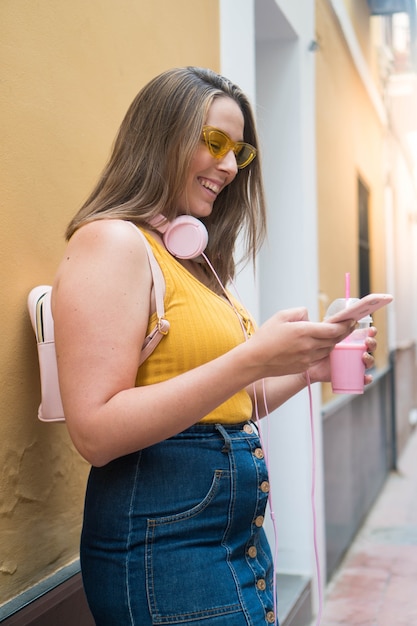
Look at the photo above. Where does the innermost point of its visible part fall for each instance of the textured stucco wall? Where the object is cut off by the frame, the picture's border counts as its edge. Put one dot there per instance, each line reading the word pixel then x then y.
pixel 69 71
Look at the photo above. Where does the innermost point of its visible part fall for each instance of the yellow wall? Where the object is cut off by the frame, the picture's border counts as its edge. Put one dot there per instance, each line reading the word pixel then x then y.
pixel 368 33
pixel 69 72
pixel 350 144
pixel 359 16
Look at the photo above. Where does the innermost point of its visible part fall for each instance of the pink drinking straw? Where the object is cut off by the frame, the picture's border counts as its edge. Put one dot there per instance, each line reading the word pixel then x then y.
pixel 347 295
pixel 347 286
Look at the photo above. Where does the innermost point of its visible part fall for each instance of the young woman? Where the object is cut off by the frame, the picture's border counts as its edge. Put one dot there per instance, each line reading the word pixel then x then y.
pixel 173 524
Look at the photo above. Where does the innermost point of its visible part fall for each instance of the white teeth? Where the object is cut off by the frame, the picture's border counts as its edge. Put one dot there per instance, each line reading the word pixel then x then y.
pixel 208 185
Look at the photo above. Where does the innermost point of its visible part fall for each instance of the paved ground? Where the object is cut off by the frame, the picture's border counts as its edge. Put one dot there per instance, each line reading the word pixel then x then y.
pixel 376 584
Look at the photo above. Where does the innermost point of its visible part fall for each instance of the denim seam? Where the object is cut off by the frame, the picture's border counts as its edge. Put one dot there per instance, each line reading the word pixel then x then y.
pixel 129 539
pixel 261 497
pixel 233 473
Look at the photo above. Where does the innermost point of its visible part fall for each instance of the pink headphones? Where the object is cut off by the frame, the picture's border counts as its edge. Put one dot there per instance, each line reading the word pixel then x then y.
pixel 185 237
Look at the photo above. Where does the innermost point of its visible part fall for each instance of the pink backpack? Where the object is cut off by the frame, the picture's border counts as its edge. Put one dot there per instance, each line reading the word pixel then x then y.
pixel 39 306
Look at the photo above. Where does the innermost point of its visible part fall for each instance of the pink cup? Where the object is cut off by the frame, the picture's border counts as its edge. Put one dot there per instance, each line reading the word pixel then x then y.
pixel 347 367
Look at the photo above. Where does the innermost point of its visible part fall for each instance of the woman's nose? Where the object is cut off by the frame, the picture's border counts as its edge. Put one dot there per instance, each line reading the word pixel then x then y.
pixel 228 162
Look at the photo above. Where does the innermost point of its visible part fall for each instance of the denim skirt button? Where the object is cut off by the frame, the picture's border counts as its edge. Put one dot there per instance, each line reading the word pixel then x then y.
pixel 259 521
pixel 270 617
pixel 252 552
pixel 261 584
pixel 259 453
pixel 265 486
pixel 248 429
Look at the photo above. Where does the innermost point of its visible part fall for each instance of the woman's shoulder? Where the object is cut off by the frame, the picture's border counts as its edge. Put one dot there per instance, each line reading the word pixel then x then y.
pixel 112 247
pixel 116 230
pixel 110 237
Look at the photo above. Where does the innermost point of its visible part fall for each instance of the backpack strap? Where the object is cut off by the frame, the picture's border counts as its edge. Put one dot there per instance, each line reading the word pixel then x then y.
pixel 162 326
pixel 40 312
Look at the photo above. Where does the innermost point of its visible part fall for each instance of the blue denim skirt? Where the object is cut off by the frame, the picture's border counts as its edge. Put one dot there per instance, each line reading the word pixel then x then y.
pixel 173 534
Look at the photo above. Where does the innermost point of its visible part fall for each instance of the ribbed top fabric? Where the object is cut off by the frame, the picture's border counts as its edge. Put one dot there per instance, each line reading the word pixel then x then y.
pixel 203 326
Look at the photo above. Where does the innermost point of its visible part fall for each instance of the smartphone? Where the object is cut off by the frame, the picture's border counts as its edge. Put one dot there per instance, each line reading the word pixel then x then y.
pixel 363 307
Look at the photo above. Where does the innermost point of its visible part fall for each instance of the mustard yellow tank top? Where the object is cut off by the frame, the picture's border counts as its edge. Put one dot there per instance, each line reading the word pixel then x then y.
pixel 203 326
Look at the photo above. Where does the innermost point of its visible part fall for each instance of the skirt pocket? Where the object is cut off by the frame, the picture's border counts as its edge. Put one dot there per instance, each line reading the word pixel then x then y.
pixel 187 572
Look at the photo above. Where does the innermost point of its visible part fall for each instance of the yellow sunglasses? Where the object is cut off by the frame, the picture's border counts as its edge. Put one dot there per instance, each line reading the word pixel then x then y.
pixel 220 144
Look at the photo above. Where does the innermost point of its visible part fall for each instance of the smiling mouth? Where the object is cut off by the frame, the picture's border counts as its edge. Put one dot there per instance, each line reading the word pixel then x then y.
pixel 209 185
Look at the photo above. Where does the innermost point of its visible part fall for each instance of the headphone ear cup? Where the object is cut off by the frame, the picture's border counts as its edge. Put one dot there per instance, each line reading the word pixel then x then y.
pixel 186 237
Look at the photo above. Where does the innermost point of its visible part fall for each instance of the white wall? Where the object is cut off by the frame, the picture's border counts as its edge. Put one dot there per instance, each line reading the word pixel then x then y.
pixel 289 270
pixel 288 276
pixel 237 19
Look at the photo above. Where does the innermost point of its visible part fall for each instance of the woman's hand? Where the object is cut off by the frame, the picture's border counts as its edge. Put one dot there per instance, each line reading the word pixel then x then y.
pixel 288 343
pixel 320 372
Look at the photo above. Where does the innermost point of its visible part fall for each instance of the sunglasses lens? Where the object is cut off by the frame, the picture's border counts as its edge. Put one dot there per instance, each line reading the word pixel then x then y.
pixel 244 155
pixel 217 143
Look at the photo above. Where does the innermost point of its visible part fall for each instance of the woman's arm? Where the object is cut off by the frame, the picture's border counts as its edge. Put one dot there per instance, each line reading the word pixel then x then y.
pixel 101 306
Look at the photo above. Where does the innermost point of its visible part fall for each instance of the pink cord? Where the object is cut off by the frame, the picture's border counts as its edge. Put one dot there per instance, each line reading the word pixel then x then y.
pixel 313 496
pixel 266 453
pixel 265 448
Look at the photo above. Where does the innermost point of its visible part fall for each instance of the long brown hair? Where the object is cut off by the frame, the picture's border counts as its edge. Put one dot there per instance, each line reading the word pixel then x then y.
pixel 148 166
